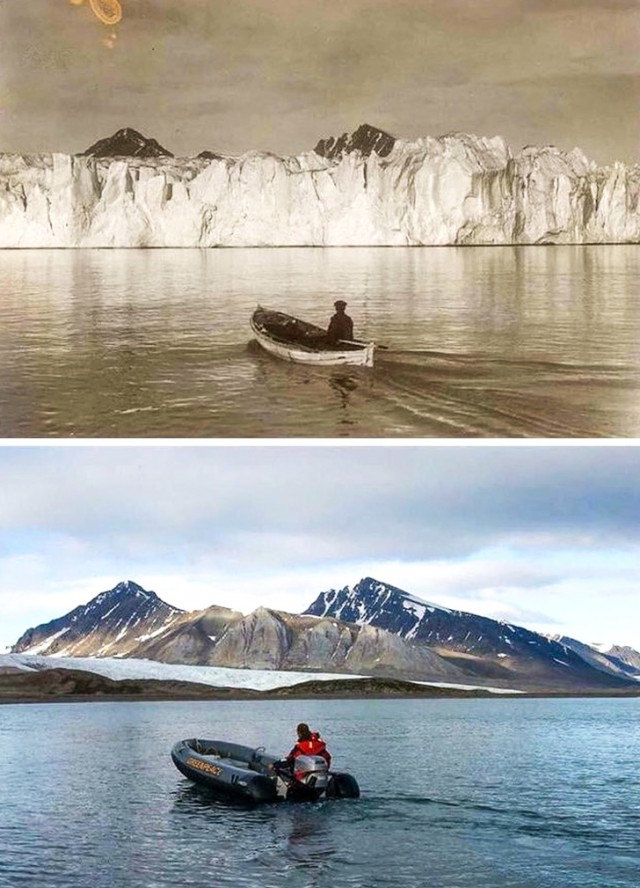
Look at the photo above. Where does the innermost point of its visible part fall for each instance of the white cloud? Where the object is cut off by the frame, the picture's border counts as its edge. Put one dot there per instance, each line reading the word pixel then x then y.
pixel 531 535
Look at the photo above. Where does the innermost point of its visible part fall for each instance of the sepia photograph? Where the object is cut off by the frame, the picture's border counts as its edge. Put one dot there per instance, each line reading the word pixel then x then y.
pixel 285 218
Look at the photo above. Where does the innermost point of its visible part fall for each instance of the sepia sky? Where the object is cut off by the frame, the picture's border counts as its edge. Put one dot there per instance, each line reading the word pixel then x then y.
pixel 544 537
pixel 276 75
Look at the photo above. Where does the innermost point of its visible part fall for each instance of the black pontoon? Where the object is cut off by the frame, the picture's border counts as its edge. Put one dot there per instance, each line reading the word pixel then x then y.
pixel 252 774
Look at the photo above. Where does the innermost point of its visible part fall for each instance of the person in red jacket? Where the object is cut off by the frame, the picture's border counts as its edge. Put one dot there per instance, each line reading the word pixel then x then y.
pixel 309 743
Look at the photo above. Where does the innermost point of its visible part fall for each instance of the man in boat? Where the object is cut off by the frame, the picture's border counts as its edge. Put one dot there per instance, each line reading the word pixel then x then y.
pixel 340 325
pixel 308 743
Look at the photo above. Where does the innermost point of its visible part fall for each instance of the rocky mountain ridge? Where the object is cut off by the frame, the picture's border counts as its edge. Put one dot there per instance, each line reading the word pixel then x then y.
pixel 616 660
pixel 626 657
pixel 371 628
pixel 127 142
pixel 492 648
pixel 114 622
pixel 366 188
pixel 127 621
pixel 366 140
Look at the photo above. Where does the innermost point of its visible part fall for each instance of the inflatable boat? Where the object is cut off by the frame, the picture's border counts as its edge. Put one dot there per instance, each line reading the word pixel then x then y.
pixel 254 775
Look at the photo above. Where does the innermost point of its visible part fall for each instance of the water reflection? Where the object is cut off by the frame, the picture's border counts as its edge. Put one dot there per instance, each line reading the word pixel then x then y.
pixel 482 342
pixel 191 798
pixel 310 843
pixel 286 836
pixel 344 384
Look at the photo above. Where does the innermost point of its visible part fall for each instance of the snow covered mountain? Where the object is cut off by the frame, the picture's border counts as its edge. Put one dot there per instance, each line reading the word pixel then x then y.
pixel 128 621
pixel 364 188
pixel 625 658
pixel 113 623
pixel 480 645
pixel 621 661
pixel 371 628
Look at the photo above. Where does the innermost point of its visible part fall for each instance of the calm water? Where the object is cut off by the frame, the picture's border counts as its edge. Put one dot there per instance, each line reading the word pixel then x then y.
pixel 484 794
pixel 540 341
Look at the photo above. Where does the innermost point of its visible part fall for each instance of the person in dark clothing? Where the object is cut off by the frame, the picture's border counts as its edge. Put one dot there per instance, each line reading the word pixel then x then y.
pixel 340 325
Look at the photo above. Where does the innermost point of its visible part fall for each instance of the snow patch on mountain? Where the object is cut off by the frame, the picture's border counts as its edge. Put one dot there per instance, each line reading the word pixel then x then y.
pixel 157 632
pixel 43 645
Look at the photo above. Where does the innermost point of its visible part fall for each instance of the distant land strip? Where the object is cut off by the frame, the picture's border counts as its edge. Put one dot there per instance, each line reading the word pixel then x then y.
pixel 67 685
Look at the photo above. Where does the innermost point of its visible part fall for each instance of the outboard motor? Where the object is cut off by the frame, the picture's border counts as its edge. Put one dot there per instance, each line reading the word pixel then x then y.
pixel 311 774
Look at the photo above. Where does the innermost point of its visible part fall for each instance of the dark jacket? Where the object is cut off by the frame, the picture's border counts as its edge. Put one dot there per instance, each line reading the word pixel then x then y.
pixel 340 327
pixel 315 745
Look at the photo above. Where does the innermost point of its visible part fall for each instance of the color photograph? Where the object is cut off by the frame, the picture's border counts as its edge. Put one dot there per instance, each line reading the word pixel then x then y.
pixel 433 680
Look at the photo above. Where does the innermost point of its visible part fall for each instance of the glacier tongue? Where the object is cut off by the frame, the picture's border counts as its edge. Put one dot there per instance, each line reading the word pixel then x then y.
pixel 457 189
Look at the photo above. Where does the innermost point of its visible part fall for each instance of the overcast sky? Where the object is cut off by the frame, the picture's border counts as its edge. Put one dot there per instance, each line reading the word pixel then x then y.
pixel 546 537
pixel 276 75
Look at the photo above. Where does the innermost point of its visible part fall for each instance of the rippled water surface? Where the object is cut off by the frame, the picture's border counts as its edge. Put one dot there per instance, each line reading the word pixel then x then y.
pixel 485 794
pixel 482 342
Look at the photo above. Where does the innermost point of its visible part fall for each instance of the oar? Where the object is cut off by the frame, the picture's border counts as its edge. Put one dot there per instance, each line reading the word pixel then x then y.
pixel 361 342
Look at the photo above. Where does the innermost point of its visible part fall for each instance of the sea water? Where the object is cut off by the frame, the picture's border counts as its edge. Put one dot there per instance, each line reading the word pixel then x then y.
pixel 481 342
pixel 505 793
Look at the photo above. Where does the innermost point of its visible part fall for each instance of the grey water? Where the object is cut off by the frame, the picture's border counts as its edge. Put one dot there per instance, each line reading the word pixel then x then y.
pixel 481 342
pixel 455 793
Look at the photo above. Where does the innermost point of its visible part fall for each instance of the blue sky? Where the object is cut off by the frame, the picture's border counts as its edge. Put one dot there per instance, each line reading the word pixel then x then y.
pixel 543 536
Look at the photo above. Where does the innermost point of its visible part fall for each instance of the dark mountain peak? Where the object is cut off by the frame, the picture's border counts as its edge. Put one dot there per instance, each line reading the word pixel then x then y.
pixel 127 142
pixel 374 590
pixel 366 139
pixel 378 587
pixel 368 600
pixel 463 638
pixel 209 155
pixel 368 582
pixel 125 610
pixel 123 590
pixel 128 587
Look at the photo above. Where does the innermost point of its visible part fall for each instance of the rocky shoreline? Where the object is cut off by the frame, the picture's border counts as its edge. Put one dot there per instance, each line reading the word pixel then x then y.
pixel 68 686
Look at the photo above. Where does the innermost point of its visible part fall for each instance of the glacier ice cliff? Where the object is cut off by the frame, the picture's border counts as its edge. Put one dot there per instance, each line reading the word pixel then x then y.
pixel 455 189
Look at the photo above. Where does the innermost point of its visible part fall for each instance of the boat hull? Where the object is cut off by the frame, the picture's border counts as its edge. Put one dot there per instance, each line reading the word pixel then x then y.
pixel 246 774
pixel 302 353
pixel 225 768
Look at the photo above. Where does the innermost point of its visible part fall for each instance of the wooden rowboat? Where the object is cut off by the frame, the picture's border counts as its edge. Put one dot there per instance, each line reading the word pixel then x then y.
pixel 291 339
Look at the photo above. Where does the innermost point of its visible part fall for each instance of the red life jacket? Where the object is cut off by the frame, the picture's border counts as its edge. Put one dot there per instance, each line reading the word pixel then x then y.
pixel 315 745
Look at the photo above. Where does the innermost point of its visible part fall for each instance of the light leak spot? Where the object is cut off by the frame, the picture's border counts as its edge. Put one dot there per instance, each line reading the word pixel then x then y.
pixel 109 12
